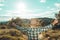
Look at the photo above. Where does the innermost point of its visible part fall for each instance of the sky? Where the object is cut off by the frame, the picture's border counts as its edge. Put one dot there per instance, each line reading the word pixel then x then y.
pixel 28 8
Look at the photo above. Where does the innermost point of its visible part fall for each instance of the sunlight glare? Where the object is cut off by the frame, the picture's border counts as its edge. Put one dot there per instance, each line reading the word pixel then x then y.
pixel 21 6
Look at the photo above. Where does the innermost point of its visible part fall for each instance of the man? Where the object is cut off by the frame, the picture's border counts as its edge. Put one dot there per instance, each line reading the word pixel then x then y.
pixel 33 31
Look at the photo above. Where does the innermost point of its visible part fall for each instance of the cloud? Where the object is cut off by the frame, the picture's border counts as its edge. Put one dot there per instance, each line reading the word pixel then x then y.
pixel 42 1
pixel 52 9
pixel 57 5
pixel 1 4
pixel 2 0
pixel 48 7
pixel 23 14
pixel 31 13
pixel 0 8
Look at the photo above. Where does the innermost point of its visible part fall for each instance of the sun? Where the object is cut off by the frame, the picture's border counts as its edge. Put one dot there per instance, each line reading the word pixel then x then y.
pixel 20 6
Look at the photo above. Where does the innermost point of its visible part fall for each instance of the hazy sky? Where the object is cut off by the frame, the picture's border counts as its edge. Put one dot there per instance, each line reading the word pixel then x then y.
pixel 29 8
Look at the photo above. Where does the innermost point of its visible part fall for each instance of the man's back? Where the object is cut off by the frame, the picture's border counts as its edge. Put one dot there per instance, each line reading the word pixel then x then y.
pixel 33 33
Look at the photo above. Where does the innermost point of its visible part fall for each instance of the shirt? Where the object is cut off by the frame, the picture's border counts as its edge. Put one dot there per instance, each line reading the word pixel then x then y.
pixel 33 32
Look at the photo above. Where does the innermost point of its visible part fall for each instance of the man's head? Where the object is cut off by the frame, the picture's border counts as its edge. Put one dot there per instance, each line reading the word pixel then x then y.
pixel 35 22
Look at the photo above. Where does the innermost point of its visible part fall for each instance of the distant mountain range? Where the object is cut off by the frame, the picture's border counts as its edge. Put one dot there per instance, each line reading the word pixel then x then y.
pixel 5 20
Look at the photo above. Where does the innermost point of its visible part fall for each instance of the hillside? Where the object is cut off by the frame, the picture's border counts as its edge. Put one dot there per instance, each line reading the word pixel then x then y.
pixel 8 32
